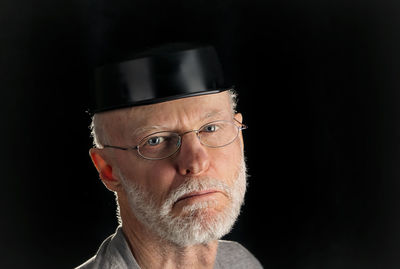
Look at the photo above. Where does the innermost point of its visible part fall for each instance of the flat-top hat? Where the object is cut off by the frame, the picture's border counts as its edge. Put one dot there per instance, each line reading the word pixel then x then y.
pixel 157 75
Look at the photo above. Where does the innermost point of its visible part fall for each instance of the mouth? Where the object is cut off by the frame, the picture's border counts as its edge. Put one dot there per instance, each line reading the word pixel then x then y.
pixel 197 194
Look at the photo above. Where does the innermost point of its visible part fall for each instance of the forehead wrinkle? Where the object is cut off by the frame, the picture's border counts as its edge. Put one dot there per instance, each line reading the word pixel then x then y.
pixel 141 130
pixel 135 117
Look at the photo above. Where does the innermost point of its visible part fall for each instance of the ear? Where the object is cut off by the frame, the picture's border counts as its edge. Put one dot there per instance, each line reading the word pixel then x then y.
pixel 239 118
pixel 104 168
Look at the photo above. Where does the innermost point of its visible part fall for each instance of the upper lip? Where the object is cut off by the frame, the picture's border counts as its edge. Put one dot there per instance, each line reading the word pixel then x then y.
pixel 196 193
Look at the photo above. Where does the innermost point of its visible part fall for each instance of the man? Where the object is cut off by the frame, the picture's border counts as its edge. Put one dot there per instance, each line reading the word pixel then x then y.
pixel 169 145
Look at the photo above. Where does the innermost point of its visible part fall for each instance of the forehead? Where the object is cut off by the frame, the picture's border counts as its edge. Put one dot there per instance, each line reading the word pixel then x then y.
pixel 181 113
pixel 181 110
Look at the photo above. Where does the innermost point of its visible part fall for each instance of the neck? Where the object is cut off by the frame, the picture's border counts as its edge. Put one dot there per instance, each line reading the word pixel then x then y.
pixel 150 251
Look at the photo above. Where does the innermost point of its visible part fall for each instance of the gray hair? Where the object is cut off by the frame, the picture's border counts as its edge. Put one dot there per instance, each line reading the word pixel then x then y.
pixel 101 138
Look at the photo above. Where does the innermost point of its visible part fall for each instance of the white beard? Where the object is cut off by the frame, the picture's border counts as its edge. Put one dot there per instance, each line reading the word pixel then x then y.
pixel 195 225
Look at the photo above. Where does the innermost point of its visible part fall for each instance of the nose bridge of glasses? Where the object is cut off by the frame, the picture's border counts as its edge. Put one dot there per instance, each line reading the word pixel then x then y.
pixel 192 140
pixel 190 131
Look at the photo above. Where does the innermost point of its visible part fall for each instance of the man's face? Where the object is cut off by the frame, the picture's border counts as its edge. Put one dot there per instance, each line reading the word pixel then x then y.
pixel 193 196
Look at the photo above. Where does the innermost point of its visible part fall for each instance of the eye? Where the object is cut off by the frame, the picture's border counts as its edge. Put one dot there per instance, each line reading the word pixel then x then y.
pixel 154 141
pixel 210 128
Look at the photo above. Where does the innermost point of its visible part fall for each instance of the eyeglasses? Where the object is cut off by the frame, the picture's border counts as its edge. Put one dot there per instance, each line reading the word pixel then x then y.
pixel 161 145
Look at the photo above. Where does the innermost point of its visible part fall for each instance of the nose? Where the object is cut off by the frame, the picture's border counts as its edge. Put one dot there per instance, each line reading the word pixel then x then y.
pixel 193 157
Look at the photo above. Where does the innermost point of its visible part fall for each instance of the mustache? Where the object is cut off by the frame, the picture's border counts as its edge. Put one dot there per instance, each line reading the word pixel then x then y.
pixel 195 185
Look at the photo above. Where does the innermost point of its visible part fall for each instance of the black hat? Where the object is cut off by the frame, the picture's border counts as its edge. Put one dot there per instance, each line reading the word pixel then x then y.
pixel 157 75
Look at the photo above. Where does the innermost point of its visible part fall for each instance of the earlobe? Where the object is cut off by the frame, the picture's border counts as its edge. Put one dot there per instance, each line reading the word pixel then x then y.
pixel 104 169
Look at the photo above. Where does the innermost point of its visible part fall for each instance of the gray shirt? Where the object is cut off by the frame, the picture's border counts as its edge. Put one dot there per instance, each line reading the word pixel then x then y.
pixel 115 253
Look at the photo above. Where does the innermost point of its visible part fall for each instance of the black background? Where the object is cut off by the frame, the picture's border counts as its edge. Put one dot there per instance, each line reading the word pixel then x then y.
pixel 319 89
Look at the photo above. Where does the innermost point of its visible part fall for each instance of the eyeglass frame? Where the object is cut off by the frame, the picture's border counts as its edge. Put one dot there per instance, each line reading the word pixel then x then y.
pixel 180 135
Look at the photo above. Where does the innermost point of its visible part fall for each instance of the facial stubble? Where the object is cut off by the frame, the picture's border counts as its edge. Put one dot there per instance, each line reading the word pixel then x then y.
pixel 197 223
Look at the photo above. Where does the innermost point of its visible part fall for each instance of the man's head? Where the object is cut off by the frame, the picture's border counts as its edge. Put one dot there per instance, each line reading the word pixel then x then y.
pixel 191 197
pixel 168 142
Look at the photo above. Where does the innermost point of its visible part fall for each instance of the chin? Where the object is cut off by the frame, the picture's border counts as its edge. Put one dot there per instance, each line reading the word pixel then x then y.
pixel 199 223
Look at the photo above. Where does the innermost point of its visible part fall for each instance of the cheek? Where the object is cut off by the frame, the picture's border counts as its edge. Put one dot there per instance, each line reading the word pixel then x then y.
pixel 156 177
pixel 159 175
pixel 226 161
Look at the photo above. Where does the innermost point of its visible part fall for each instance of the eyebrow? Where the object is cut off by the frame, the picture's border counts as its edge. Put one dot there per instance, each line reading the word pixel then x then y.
pixel 212 114
pixel 141 130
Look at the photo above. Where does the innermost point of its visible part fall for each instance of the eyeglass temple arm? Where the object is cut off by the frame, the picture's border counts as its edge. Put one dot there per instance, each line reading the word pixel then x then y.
pixel 242 126
pixel 121 148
